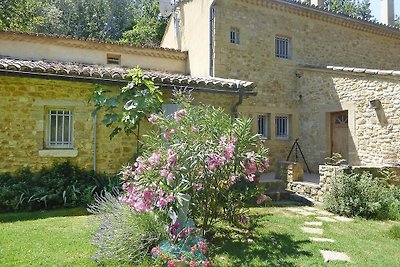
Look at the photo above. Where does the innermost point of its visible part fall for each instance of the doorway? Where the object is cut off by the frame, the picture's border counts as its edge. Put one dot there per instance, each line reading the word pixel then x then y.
pixel 340 133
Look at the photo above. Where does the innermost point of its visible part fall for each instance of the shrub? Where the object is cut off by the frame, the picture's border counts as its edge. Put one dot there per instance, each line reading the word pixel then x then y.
pixel 61 185
pixel 123 235
pixel 201 152
pixel 363 195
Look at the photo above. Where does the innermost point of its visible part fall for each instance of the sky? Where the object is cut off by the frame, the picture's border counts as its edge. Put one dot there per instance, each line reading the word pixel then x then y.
pixel 376 8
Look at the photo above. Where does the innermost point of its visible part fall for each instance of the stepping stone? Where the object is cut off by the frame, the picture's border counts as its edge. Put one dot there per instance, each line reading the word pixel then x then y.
pixel 334 256
pixel 295 209
pixel 325 213
pixel 310 230
pixel 313 223
pixel 310 208
pixel 318 239
pixel 305 213
pixel 325 219
pixel 343 219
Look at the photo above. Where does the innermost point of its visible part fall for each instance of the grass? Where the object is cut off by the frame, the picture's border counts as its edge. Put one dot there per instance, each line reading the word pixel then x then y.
pixel 62 238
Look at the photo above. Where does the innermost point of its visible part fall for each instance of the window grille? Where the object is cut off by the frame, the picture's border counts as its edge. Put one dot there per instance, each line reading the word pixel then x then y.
pixel 282 127
pixel 263 125
pixel 113 59
pixel 60 129
pixel 234 35
pixel 282 47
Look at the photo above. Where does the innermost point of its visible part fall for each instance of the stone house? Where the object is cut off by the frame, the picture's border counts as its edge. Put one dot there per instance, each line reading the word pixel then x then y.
pixel 330 80
pixel 45 84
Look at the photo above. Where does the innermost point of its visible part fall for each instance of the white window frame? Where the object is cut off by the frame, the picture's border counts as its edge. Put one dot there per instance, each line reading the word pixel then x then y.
pixel 234 35
pixel 283 47
pixel 263 125
pixel 66 141
pixel 282 127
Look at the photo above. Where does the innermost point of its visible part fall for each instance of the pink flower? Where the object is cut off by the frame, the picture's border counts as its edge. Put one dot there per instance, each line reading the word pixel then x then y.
pixel 153 118
pixel 164 173
pixel 194 129
pixel 192 263
pixel 171 198
pixel 171 157
pixel 231 181
pixel 172 131
pixel 170 177
pixel 214 161
pixel 251 177
pixel 171 263
pixel 155 158
pixel 166 136
pixel 203 246
pixel 194 249
pixel 251 167
pixel 244 219
pixel 148 195
pixel 162 203
pixel 266 163
pixel 155 250
pixel 229 150
pixel 261 199
pixel 179 113
pixel 207 263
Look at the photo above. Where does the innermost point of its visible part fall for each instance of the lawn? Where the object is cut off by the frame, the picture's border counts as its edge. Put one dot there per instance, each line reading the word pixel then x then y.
pixel 62 238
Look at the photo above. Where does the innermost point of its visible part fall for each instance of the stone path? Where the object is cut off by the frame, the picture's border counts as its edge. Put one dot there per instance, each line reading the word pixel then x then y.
pixel 315 229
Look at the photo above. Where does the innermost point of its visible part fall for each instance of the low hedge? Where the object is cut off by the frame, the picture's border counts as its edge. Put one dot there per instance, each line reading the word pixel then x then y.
pixel 61 185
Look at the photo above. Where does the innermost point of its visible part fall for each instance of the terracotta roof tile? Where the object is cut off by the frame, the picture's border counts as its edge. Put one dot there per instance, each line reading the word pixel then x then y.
pixel 115 73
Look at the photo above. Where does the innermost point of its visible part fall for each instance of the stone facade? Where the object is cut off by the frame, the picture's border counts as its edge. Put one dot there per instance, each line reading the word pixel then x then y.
pixel 374 134
pixel 24 103
pixel 316 38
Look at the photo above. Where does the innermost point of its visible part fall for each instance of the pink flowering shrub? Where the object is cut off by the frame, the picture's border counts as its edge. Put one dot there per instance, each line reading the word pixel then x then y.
pixel 202 152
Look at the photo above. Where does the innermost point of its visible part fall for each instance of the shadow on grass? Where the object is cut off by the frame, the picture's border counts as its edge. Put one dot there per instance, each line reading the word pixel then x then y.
pixel 37 215
pixel 266 248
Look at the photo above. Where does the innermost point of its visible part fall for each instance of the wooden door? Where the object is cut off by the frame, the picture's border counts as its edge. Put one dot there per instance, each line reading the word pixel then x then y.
pixel 340 133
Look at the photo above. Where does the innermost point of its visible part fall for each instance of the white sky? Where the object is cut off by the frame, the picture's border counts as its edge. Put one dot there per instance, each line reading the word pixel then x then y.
pixel 376 8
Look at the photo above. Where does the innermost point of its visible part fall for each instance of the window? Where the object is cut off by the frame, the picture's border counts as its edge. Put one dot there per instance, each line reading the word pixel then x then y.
pixel 59 129
pixel 169 109
pixel 263 125
pixel 282 127
pixel 113 59
pixel 234 35
pixel 282 47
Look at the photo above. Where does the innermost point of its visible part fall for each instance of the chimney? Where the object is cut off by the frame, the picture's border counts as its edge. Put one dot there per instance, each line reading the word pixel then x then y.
pixel 387 12
pixel 318 3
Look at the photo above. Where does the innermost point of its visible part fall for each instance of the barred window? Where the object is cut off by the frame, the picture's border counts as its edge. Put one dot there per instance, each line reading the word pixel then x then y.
pixel 282 47
pixel 59 129
pixel 263 125
pixel 234 35
pixel 282 127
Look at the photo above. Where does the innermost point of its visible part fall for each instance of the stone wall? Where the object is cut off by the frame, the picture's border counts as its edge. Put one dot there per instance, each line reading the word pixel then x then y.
pixel 24 103
pixel 374 134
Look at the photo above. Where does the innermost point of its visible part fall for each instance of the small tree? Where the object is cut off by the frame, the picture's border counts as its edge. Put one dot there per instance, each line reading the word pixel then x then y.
pixel 202 155
pixel 135 102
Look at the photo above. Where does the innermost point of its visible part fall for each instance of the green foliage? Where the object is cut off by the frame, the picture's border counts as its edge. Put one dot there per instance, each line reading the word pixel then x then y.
pixel 20 15
pixel 397 21
pixel 62 185
pixel 357 8
pixel 135 102
pixel 148 26
pixel 363 195
pixel 124 236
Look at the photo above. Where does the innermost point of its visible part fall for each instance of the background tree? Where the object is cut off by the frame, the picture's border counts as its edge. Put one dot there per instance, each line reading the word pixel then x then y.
pixel 22 15
pixel 358 8
pixel 397 21
pixel 148 26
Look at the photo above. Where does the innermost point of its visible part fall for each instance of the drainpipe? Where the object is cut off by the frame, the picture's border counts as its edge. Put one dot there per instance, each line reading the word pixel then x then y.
pixel 94 142
pixel 240 101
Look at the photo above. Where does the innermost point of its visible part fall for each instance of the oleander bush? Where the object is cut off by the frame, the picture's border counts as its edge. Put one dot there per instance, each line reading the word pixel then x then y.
pixel 363 195
pixel 60 185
